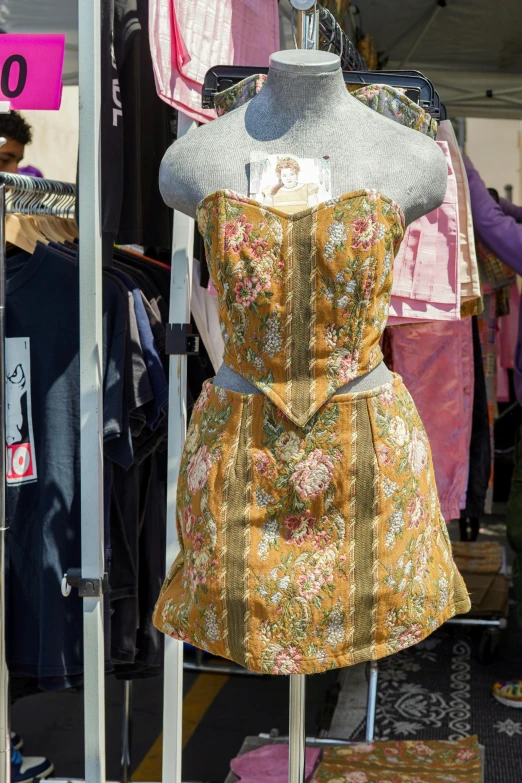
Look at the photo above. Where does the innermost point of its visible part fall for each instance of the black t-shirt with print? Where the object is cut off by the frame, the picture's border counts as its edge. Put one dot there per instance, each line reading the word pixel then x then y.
pixel 45 630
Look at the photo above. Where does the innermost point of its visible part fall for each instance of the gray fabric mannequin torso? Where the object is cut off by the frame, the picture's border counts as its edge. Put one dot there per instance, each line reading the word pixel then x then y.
pixel 305 109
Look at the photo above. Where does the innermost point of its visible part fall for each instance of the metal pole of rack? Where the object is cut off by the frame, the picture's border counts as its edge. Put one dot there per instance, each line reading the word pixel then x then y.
pixel 307 33
pixel 91 388
pixel 5 735
pixel 180 292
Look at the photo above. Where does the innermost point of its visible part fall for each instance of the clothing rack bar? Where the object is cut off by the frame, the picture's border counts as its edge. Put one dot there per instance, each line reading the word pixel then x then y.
pixel 180 293
pixel 5 733
pixel 91 385
pixel 38 196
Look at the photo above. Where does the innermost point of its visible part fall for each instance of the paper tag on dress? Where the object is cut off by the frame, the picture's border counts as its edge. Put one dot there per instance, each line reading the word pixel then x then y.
pixel 289 183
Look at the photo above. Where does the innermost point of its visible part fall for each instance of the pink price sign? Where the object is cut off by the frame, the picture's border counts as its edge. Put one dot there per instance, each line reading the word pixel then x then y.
pixel 31 70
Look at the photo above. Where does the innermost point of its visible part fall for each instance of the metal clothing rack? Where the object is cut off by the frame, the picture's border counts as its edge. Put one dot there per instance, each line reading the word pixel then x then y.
pixel 37 196
pixel 334 39
pixel 324 32
pixel 28 196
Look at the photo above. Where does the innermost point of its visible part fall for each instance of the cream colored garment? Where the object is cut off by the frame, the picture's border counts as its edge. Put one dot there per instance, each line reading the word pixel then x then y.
pixel 469 275
pixel 204 308
pixel 292 201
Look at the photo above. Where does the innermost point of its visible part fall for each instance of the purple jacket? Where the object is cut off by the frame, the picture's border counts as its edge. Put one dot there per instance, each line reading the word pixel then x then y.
pixel 498 225
pixel 500 228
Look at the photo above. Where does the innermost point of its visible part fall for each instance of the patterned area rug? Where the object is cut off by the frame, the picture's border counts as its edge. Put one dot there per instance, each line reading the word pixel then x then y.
pixel 439 690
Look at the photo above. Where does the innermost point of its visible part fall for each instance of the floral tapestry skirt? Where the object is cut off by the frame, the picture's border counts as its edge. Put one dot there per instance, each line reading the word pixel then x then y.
pixel 308 548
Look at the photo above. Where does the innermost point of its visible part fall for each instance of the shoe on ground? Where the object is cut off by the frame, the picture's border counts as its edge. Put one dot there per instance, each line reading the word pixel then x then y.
pixel 24 770
pixel 17 742
pixel 509 693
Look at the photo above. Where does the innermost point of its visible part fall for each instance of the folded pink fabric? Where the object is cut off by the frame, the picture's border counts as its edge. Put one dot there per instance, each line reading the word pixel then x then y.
pixel 436 363
pixel 426 283
pixel 269 764
pixel 187 37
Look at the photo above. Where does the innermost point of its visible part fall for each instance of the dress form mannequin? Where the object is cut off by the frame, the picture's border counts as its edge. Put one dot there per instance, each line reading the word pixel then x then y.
pixel 304 109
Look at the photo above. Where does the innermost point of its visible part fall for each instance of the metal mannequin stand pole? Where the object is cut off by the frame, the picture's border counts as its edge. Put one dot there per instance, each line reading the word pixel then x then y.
pixel 297 729
pixel 5 734
pixel 372 701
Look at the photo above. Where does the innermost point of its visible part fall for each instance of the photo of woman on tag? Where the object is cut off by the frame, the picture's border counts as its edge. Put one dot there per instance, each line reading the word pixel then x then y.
pixel 289 183
pixel 289 194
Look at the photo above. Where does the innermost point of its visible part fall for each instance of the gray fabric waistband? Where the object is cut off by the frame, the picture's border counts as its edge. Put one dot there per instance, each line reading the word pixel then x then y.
pixel 229 379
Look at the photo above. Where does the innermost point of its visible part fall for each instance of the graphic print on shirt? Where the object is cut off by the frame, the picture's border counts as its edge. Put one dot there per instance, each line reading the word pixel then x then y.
pixel 19 437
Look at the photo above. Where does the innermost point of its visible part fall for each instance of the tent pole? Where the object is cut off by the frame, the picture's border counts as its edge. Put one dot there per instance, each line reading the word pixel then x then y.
pixel 180 293
pixel 91 386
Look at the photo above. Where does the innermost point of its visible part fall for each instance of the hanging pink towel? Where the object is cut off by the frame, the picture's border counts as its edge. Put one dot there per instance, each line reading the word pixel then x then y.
pixel 436 363
pixel 188 37
pixel 426 285
pixel 269 764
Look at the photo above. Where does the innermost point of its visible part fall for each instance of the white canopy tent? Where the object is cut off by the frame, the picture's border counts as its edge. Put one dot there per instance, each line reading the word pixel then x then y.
pixel 470 49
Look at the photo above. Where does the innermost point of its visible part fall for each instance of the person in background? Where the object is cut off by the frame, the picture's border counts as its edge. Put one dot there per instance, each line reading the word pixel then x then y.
pixel 30 171
pixel 17 134
pixel 498 222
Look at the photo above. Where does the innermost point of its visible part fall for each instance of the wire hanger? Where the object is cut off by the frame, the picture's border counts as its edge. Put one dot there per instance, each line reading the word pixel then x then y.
pixel 38 210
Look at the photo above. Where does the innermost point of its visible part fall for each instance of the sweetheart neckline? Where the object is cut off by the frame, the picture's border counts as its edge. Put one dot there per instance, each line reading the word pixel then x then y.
pixel 234 196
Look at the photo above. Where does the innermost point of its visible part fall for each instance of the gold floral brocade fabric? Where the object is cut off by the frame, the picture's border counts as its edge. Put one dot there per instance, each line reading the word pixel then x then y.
pixel 406 761
pixel 310 530
pixel 303 298
pixel 308 548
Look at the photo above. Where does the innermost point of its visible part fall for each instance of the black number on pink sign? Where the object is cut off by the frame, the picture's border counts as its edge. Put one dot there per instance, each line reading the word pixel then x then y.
pixel 6 76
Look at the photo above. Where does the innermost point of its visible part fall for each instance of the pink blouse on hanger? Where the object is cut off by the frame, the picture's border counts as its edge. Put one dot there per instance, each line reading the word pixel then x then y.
pixel 187 37
pixel 426 284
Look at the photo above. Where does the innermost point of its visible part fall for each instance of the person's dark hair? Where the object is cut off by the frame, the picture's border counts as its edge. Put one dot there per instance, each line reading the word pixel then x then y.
pixel 13 126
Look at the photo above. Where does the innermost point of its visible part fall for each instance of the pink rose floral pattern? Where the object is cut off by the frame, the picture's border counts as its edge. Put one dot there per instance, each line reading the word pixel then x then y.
pixel 419 585
pixel 299 561
pixel 355 285
pixel 194 616
pixel 348 268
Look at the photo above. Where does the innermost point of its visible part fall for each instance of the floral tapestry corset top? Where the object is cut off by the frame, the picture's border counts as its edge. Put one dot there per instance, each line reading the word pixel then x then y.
pixel 303 297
